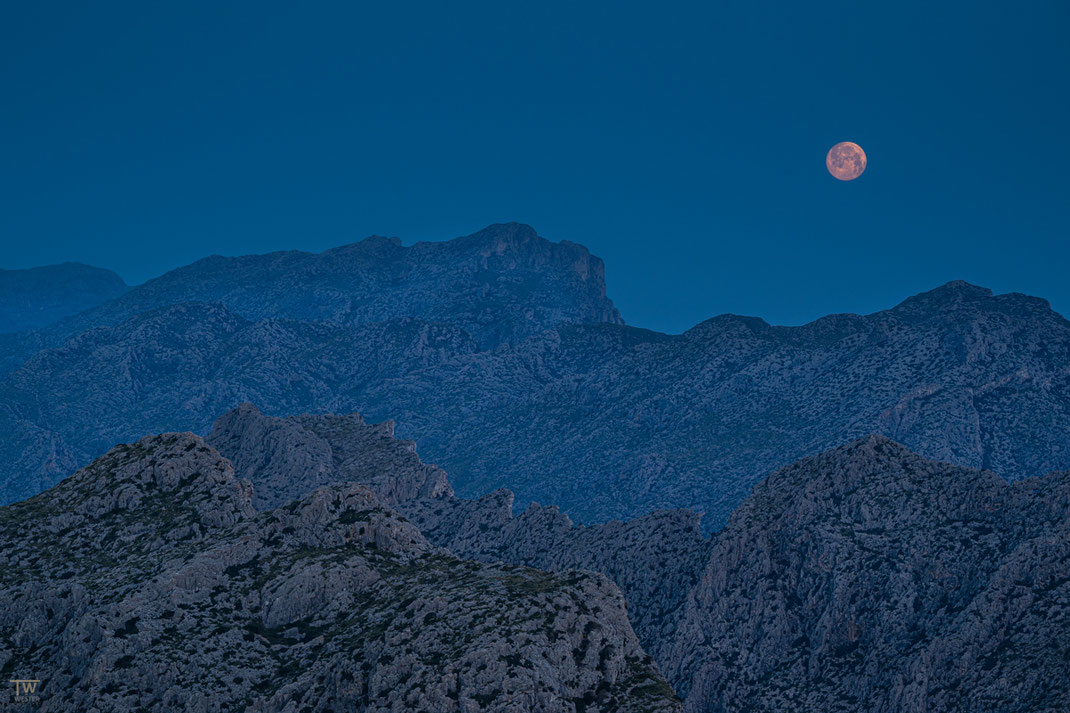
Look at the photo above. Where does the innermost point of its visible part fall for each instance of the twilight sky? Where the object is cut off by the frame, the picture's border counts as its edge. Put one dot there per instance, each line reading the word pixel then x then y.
pixel 683 143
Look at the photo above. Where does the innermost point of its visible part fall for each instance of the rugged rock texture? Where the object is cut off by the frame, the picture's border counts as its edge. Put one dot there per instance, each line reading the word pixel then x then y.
pixel 655 559
pixel 870 579
pixel 148 582
pixel 612 422
pixel 501 284
pixel 34 298
pixel 288 458
pixel 605 421
pixel 182 366
pixel 864 579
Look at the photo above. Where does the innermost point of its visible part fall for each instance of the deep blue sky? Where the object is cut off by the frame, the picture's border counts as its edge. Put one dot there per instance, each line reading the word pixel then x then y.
pixel 684 143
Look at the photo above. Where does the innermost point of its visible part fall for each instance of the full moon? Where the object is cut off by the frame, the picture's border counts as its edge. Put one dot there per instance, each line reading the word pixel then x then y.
pixel 846 161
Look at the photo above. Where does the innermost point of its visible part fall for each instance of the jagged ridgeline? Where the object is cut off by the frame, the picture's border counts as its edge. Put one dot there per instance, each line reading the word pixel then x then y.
pixel 501 355
pixel 148 581
pixel 314 562
pixel 863 579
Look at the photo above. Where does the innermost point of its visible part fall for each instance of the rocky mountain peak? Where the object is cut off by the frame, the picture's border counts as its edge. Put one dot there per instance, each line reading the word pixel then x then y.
pixel 872 479
pixel 502 284
pixel 145 598
pixel 959 295
pixel 506 236
pixel 173 467
pixel 289 458
pixel 160 493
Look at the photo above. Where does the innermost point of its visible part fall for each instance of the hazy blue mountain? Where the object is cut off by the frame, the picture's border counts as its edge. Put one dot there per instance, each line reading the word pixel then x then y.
pixel 611 422
pixel 38 296
pixel 605 421
pixel 500 284
pixel 186 364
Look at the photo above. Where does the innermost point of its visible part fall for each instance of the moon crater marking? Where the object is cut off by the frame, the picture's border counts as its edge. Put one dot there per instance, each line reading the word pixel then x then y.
pixel 846 161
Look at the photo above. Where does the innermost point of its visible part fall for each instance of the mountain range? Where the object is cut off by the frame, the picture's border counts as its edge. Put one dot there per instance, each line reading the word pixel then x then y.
pixel 562 404
pixel 865 513
pixel 863 578
pixel 866 578
pixel 150 581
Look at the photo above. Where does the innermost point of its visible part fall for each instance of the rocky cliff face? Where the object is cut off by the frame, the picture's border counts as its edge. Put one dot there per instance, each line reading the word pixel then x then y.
pixel 288 458
pixel 503 283
pixel 147 581
pixel 603 420
pixel 870 579
pixel 615 422
pixel 863 579
pixel 33 298
pixel 655 559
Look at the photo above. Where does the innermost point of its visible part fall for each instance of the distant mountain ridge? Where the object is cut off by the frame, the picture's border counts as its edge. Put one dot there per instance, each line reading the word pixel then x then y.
pixel 500 284
pixel 36 297
pixel 604 420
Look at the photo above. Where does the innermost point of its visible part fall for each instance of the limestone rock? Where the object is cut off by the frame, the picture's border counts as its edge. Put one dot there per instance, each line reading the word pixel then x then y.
pixel 147 581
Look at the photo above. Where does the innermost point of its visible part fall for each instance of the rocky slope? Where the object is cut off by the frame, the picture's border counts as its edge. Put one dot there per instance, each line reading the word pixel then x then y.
pixel 148 581
pixel 288 458
pixel 39 296
pixel 655 559
pixel 871 579
pixel 863 579
pixel 612 422
pixel 182 366
pixel 605 421
pixel 503 283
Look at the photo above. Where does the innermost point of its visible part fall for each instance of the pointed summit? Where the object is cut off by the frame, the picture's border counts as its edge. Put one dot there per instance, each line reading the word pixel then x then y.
pixel 501 284
pixel 959 294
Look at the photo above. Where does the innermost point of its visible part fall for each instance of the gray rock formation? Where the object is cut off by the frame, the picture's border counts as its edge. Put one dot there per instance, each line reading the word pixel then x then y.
pixel 288 458
pixel 871 579
pixel 38 296
pixel 147 581
pixel 864 579
pixel 655 559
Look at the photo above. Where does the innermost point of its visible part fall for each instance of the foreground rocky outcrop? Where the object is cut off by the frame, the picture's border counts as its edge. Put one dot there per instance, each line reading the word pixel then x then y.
pixel 655 559
pixel 871 579
pixel 864 579
pixel 148 581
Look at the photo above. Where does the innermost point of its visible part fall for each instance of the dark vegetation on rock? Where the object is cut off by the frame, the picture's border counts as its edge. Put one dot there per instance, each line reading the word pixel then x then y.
pixel 863 579
pixel 148 581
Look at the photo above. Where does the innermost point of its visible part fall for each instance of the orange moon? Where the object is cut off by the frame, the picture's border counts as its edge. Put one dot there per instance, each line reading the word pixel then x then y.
pixel 846 161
